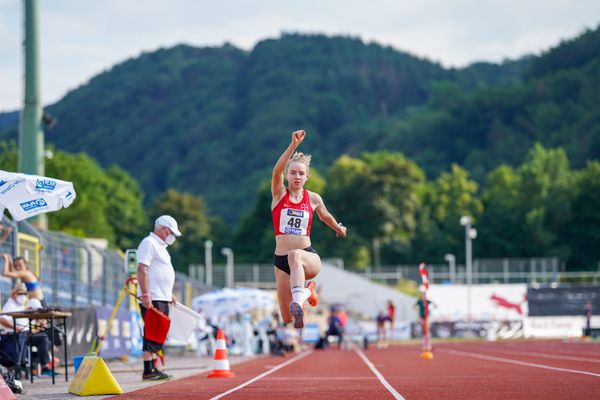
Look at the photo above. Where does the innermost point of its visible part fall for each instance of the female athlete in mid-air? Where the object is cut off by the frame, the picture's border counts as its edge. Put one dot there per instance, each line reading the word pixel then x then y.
pixel 292 210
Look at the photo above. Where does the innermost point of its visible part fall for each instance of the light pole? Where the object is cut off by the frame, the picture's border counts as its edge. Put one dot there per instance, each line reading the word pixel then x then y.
pixel 227 252
pixel 208 244
pixel 470 234
pixel 31 134
pixel 451 259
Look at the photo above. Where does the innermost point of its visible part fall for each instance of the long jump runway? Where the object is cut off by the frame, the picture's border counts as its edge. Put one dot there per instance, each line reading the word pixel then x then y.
pixel 467 370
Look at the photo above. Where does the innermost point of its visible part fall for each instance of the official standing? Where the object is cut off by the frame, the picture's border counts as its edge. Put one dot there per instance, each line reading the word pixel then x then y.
pixel 156 278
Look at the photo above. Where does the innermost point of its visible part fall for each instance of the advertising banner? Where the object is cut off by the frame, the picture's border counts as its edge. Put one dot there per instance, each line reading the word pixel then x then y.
pixel 81 331
pixel 562 300
pixel 491 330
pixel 552 327
pixel 118 339
pixel 493 302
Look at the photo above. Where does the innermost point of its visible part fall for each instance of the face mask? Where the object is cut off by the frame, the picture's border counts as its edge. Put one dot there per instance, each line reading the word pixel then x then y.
pixel 21 299
pixel 170 239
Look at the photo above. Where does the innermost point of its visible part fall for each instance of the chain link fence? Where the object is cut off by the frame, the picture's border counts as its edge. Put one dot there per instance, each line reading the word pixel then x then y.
pixel 535 270
pixel 261 276
pixel 79 272
pixel 76 272
pixel 8 244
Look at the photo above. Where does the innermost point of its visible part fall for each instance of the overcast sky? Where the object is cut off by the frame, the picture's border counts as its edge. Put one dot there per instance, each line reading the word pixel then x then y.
pixel 80 38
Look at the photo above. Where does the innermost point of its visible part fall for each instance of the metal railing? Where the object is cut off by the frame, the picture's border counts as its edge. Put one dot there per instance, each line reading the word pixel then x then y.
pixel 79 272
pixel 259 276
pixel 538 270
pixel 535 270
pixel 75 271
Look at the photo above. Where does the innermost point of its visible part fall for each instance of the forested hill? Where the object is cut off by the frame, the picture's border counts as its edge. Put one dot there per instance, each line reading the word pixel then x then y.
pixel 212 121
pixel 556 105
pixel 8 119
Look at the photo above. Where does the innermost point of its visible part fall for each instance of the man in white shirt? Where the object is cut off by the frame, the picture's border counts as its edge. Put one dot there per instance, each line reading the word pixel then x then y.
pixel 17 302
pixel 156 278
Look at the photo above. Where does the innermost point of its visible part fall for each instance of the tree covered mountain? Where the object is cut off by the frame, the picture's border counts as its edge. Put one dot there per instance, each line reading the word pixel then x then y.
pixel 8 119
pixel 212 121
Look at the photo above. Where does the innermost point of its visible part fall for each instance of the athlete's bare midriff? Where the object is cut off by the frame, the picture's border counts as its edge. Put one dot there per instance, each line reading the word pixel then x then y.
pixel 286 243
pixel 36 294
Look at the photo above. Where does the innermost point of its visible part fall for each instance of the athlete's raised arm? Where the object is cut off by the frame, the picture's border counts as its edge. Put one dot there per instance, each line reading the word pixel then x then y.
pixel 277 187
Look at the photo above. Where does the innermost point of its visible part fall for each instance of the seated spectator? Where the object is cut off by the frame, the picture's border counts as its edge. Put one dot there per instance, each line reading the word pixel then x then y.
pixel 9 355
pixel 42 325
pixel 16 302
pixel 334 328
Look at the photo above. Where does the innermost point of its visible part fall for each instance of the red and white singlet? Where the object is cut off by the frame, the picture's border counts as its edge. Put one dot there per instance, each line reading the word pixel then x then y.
pixel 292 218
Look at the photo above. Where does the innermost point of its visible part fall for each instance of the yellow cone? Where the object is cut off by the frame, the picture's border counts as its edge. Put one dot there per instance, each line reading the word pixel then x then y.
pixel 94 378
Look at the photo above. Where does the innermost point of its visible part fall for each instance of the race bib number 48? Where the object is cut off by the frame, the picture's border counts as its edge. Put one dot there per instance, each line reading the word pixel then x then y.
pixel 293 222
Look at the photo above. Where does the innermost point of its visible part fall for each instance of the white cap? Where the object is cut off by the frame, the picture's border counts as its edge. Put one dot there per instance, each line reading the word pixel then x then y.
pixel 169 222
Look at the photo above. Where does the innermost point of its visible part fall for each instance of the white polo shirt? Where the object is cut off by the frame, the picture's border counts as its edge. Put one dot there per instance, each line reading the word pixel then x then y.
pixel 152 252
pixel 11 306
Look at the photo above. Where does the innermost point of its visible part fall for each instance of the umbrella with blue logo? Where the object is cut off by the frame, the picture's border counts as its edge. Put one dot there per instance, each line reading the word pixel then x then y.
pixel 25 195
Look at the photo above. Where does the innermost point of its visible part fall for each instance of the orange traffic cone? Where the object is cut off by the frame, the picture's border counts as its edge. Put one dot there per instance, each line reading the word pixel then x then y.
pixel 221 363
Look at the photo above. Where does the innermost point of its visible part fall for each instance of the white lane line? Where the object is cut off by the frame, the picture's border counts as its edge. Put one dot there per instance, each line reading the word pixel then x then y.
pixel 508 360
pixel 533 353
pixel 378 374
pixel 278 367
pixel 326 378
pixel 561 349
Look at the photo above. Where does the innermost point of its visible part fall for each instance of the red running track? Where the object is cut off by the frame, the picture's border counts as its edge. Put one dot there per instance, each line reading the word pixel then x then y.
pixel 468 370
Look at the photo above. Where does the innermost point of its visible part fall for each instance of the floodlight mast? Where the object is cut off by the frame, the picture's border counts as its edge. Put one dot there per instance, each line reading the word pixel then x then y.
pixel 31 134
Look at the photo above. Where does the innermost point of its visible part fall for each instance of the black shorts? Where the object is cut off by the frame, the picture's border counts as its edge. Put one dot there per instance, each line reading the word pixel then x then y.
pixel 149 345
pixel 281 262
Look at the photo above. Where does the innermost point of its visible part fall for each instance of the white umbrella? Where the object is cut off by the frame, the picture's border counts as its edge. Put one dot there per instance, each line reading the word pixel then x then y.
pixel 228 302
pixel 27 195
pixel 216 303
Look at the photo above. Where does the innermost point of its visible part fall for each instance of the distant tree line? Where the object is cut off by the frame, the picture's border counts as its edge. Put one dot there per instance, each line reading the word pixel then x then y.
pixel 394 214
